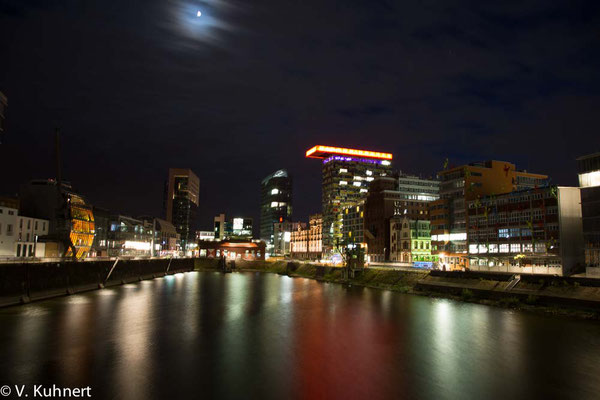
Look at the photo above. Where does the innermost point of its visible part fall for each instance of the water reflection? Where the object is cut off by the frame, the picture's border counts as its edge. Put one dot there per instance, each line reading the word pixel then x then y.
pixel 266 336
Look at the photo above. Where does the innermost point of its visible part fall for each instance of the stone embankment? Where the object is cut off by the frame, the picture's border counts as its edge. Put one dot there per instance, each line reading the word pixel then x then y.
pixel 25 282
pixel 551 294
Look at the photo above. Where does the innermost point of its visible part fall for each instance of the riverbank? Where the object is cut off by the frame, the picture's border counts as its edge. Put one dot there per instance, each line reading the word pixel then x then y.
pixel 25 282
pixel 568 297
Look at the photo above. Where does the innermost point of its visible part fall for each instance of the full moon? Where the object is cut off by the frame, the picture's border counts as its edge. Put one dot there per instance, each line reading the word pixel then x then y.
pixel 199 14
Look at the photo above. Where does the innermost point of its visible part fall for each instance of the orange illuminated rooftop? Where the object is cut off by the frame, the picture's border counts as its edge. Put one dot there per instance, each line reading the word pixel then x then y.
pixel 328 151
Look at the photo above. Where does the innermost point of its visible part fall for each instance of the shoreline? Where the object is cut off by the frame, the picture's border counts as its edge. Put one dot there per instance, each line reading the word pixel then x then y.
pixel 410 282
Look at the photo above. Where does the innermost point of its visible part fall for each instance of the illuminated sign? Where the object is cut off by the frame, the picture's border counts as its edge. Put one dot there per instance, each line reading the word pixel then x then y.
pixel 323 151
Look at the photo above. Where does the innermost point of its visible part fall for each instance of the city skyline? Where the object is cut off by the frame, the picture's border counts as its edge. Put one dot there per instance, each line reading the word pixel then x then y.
pixel 424 104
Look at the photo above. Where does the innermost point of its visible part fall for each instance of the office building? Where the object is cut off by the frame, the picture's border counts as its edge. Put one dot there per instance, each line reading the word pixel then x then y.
pixel 307 242
pixel 346 175
pixel 237 228
pixel 275 204
pixel 181 202
pixel 459 185
pixel 3 104
pixel 353 223
pixel 588 168
pixel 205 235
pixel 282 234
pixel 129 236
pixel 535 231
pixel 398 195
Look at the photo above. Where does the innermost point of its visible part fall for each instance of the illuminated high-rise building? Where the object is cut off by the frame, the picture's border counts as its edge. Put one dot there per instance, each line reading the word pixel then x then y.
pixel 181 202
pixel 347 174
pixel 275 204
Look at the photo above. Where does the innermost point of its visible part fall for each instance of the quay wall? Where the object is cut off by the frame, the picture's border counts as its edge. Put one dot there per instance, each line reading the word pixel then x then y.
pixel 25 282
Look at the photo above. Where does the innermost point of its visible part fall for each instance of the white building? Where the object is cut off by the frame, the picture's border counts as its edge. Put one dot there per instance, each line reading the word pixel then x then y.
pixel 19 234
pixel 8 222
pixel 28 230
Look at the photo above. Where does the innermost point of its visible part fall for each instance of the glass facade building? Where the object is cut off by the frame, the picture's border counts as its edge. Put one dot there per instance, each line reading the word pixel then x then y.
pixel 275 204
pixel 588 168
pixel 181 202
pixel 347 174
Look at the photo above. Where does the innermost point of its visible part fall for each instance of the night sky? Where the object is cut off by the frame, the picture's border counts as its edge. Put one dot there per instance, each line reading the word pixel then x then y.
pixel 247 88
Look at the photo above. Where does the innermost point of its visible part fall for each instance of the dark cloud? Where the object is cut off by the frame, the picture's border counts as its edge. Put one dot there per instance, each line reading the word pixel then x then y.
pixel 141 86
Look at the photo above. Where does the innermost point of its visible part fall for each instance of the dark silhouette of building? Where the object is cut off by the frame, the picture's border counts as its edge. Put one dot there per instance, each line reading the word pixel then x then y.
pixel 181 202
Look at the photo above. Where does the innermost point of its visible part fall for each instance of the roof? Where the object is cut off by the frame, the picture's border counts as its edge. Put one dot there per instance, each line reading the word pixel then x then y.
pixel 320 151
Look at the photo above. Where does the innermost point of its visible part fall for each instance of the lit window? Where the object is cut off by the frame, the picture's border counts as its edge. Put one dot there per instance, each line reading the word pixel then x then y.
pixel 363 190
pixel 274 204
pixel 356 183
pixel 369 172
pixel 343 183
pixel 343 170
pixel 274 191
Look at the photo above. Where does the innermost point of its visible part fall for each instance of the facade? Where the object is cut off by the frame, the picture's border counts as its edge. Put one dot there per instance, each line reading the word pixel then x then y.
pixel 68 214
pixel 28 231
pixel 19 234
pixel 588 168
pixel 275 204
pixel 459 185
pixel 8 224
pixel 3 104
pixel 124 236
pixel 238 228
pixel 347 174
pixel 353 223
pixel 232 250
pixel 205 235
pixel 181 202
pixel 282 234
pixel 410 241
pixel 220 230
pixel 102 218
pixel 307 243
pixel 166 238
pixel 129 237
pixel 400 195
pixel 527 231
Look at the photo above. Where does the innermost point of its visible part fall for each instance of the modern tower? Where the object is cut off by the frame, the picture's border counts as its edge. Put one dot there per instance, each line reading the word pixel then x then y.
pixel 347 174
pixel 275 203
pixel 181 202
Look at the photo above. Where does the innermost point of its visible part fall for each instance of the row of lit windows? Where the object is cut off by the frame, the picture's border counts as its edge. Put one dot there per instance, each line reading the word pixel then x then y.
pixel 510 248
